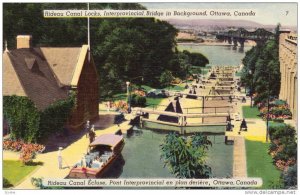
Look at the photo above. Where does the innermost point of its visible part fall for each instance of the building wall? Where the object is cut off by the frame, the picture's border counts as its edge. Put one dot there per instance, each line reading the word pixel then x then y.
pixel 288 69
pixel 87 105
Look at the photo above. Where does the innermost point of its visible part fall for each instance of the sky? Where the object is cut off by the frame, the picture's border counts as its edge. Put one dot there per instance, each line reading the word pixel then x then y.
pixel 266 13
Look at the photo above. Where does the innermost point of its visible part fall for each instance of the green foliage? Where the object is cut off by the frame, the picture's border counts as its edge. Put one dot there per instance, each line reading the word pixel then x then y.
pixel 196 59
pixel 283 149
pixel 185 63
pixel 6 183
pixel 55 116
pixel 263 61
pixel 30 125
pixel 185 157
pixel 166 78
pixel 137 100
pixel 290 177
pixel 279 132
pixel 38 182
pixel 22 116
pixel 122 48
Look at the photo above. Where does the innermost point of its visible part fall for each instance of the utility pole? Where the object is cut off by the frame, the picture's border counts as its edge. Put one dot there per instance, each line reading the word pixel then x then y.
pixel 268 109
pixel 88 28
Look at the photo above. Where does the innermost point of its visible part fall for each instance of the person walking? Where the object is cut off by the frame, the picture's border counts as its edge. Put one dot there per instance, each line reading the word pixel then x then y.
pixel 59 157
pixel 92 134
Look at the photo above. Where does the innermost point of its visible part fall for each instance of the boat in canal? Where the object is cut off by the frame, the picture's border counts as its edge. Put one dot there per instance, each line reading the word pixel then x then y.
pixel 103 152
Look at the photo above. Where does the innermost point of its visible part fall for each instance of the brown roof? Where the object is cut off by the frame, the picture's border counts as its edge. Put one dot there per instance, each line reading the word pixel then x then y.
pixel 11 82
pixel 62 61
pixel 34 76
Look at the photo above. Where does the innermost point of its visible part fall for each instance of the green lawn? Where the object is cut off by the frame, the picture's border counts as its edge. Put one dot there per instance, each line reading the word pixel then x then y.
pixel 179 87
pixel 259 163
pixel 120 96
pixel 153 101
pixel 15 171
pixel 146 87
pixel 250 112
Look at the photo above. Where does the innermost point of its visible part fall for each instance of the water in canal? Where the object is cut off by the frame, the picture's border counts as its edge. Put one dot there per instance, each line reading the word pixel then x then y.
pixel 141 157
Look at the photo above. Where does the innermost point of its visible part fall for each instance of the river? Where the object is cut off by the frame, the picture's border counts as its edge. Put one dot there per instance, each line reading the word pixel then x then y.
pixel 217 54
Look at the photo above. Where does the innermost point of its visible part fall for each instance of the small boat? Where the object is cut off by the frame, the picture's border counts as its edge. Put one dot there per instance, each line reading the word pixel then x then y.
pixel 103 152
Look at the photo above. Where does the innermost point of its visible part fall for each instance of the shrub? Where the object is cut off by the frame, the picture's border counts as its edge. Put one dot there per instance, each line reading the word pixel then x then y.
pixel 141 101
pixel 137 100
pixel 22 116
pixel 290 177
pixel 28 124
pixel 278 120
pixel 27 154
pixel 6 183
pixel 17 146
pixel 277 132
pixel 55 116
pixel 133 100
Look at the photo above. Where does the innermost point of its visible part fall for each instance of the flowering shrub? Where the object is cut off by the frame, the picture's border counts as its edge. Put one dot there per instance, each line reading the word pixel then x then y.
pixel 275 111
pixel 121 106
pixel 17 146
pixel 139 93
pixel 27 153
pixel 283 146
pixel 176 81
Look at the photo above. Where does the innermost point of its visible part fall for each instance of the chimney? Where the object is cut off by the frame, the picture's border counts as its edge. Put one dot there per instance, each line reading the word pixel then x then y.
pixel 24 41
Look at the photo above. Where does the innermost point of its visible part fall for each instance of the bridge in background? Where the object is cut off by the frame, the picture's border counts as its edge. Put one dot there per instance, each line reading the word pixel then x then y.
pixel 241 35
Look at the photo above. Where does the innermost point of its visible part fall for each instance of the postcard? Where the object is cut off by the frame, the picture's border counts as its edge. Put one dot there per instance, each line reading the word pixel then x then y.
pixel 150 95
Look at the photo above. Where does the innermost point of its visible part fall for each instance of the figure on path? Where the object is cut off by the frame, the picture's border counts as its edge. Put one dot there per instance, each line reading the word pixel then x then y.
pixel 59 157
pixel 243 125
pixel 92 134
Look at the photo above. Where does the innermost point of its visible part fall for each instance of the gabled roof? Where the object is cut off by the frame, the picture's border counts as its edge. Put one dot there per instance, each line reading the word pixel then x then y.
pixel 11 81
pixel 43 74
pixel 38 83
pixel 64 61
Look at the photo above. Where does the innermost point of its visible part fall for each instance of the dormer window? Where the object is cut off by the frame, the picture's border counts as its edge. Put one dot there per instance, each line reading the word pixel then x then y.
pixel 31 64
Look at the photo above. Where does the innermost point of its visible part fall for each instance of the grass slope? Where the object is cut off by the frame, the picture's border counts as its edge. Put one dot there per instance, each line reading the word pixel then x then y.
pixel 250 112
pixel 259 163
pixel 15 171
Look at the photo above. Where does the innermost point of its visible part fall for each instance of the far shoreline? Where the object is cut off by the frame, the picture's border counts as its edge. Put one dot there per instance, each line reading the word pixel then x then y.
pixel 213 44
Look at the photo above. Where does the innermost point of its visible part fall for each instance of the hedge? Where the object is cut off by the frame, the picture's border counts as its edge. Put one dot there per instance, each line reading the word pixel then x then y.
pixel 23 118
pixel 29 124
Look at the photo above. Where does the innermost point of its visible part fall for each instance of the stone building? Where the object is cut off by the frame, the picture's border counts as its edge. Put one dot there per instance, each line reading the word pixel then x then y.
pixel 288 70
pixel 48 74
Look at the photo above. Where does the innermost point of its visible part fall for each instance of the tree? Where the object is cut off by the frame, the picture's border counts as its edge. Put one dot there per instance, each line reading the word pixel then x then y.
pixel 166 78
pixel 263 61
pixel 185 156
pixel 122 48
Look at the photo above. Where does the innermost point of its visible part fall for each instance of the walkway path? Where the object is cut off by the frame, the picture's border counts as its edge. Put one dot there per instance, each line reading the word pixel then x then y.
pixel 239 158
pixel 71 155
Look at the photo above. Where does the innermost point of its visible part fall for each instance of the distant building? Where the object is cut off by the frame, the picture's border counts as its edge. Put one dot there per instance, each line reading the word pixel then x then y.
pixel 48 74
pixel 288 69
